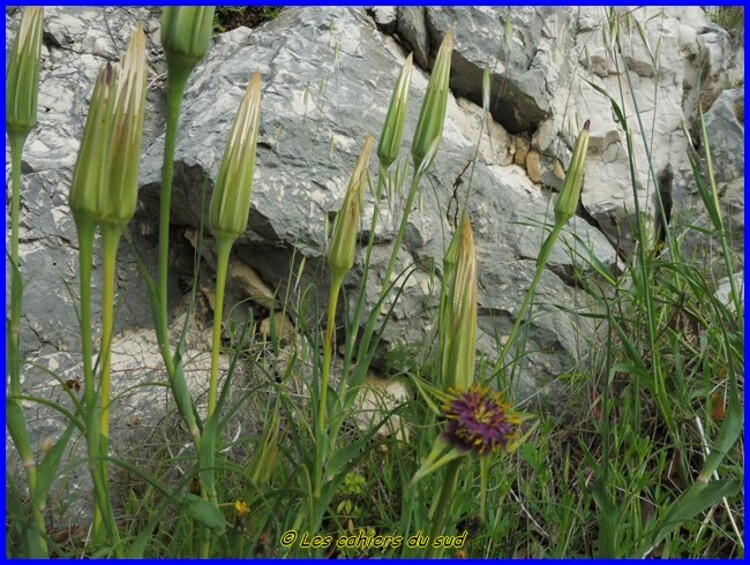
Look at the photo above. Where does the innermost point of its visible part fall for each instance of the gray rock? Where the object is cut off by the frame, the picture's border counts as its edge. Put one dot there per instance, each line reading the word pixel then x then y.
pixel 300 180
pixel 726 133
pixel 527 66
pixel 386 18
pixel 412 26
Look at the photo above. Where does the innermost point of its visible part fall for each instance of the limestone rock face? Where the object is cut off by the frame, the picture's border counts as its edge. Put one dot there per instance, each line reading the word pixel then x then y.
pixel 327 77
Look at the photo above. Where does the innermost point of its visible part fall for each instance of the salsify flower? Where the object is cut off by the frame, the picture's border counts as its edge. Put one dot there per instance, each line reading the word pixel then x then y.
pixel 479 420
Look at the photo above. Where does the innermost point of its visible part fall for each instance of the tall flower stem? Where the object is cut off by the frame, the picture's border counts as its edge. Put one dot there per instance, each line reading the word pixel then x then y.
pixel 110 241
pixel 223 249
pixel 541 263
pixel 17 427
pixel 443 505
pixel 175 90
pixel 16 149
pixel 413 189
pixel 322 441
pixel 104 524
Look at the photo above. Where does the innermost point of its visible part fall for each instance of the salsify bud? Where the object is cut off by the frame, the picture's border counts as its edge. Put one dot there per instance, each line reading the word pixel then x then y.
pixel 445 331
pixel 567 202
pixel 432 116
pixel 230 202
pixel 121 192
pixel 346 227
pixel 185 35
pixel 459 369
pixel 91 173
pixel 22 82
pixel 393 128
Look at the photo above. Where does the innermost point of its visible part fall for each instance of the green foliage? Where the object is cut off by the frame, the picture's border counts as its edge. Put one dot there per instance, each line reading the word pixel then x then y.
pixel 731 18
pixel 228 18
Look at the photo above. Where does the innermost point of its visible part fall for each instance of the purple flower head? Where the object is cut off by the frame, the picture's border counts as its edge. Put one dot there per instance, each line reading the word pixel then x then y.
pixel 479 420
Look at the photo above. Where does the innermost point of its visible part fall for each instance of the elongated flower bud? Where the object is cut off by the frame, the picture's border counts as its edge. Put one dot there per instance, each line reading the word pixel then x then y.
pixel 346 227
pixel 185 35
pixel 567 202
pixel 121 192
pixel 463 314
pixel 432 116
pixel 22 82
pixel 393 128
pixel 91 173
pixel 445 331
pixel 230 202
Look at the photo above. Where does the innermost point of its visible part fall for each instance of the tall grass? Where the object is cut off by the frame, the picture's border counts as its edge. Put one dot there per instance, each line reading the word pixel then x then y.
pixel 651 468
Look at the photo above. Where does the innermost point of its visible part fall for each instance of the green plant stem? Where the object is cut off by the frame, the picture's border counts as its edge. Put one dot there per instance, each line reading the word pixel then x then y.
pixel 336 282
pixel 382 175
pixel 16 149
pixel 86 229
pixel 413 189
pixel 86 233
pixel 364 344
pixel 176 82
pixel 175 90
pixel 541 263
pixel 443 505
pixel 19 433
pixel 110 241
pixel 223 249
pixel 717 219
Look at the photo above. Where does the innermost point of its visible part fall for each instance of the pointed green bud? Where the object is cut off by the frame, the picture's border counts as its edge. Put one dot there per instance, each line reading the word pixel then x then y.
pixel 567 202
pixel 346 227
pixel 230 202
pixel 393 128
pixel 91 173
pixel 445 310
pixel 432 116
pixel 185 35
pixel 459 370
pixel 121 192
pixel 22 79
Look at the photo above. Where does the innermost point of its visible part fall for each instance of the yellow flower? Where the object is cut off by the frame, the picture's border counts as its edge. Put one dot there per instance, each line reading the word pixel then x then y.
pixel 241 508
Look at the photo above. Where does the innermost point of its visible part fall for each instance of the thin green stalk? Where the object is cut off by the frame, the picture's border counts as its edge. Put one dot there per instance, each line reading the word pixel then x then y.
pixel 541 263
pixel 86 231
pixel 643 280
pixel 16 149
pixel 19 433
pixel 110 242
pixel 413 189
pixel 223 249
pixel 718 221
pixel 443 505
pixel 382 175
pixel 333 299
pixel 175 91
pixel 365 342
pixel 104 525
